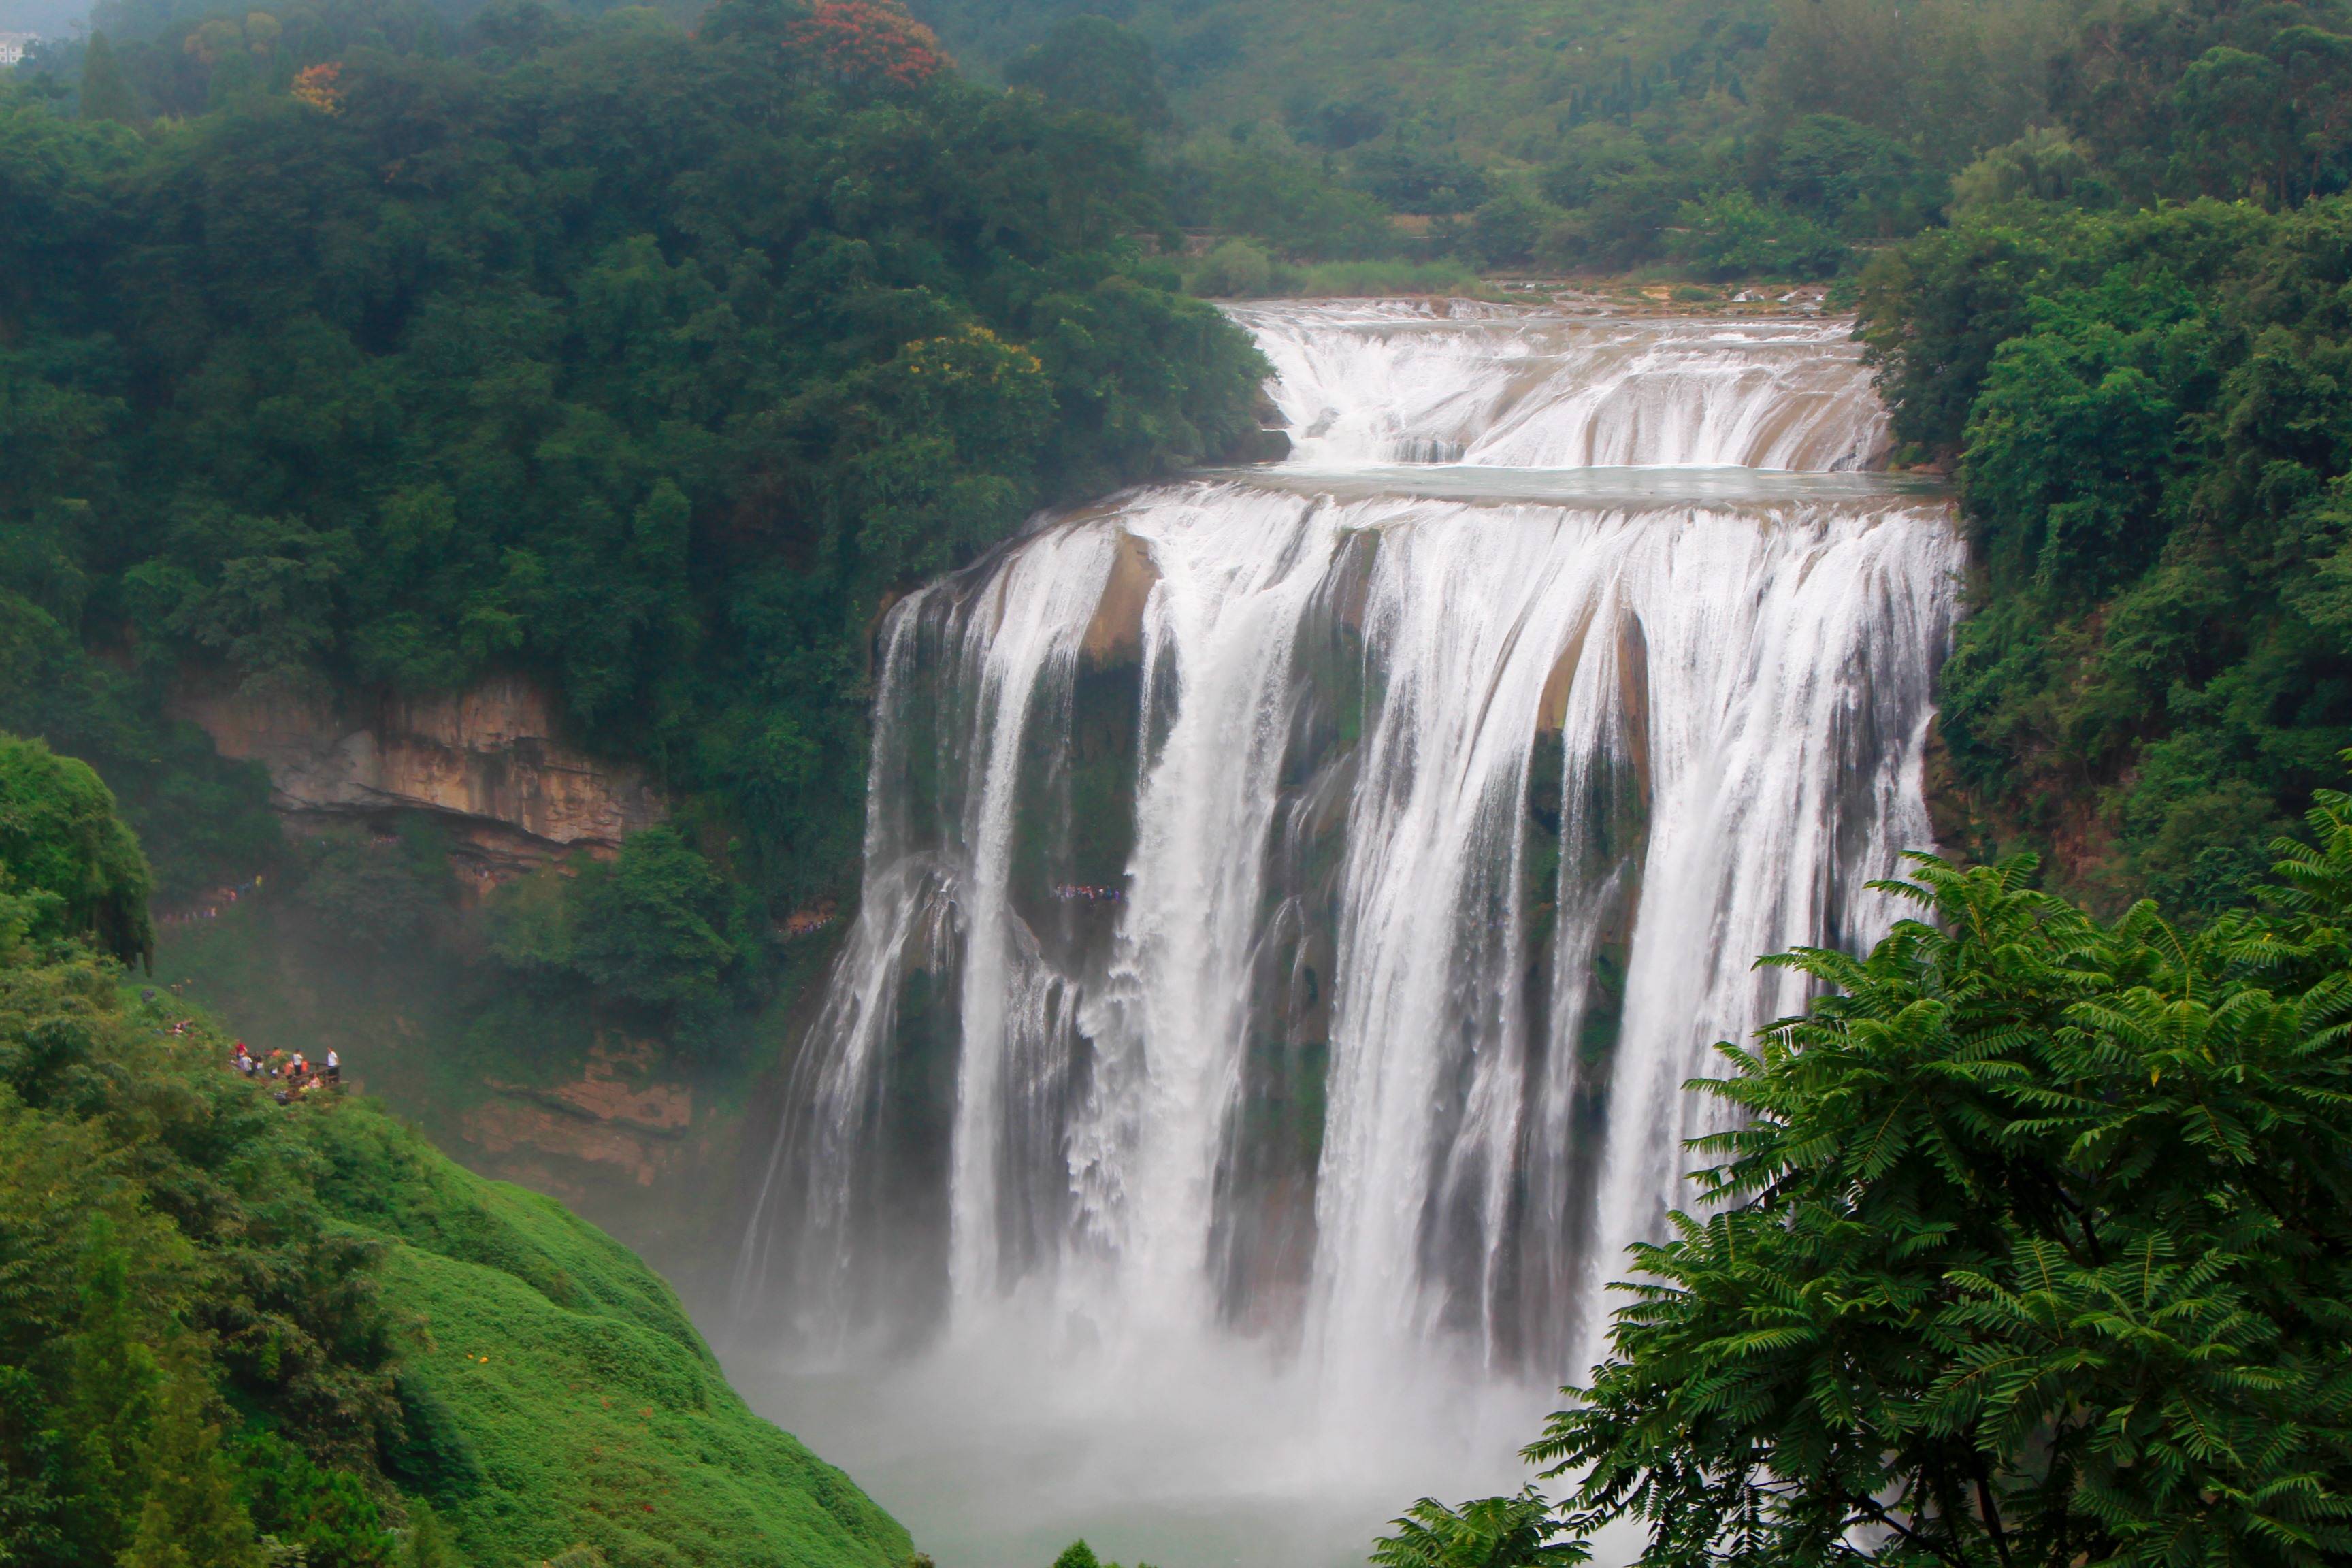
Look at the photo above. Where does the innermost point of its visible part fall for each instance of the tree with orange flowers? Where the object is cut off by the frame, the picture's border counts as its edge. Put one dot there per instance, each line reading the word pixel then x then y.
pixel 321 86
pixel 869 42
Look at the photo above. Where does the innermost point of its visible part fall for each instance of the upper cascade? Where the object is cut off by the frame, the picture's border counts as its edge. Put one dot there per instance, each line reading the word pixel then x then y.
pixel 1364 383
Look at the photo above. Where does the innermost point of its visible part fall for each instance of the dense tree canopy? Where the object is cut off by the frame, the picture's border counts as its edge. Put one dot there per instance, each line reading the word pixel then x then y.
pixel 643 362
pixel 1738 139
pixel 1092 62
pixel 2153 425
pixel 1734 138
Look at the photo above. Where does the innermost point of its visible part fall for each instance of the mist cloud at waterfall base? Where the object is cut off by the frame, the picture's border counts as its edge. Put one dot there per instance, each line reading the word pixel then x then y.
pixel 1006 1442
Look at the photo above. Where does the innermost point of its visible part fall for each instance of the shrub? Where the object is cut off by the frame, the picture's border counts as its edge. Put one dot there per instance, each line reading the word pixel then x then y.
pixel 1445 276
pixel 1093 63
pixel 1622 220
pixel 1852 179
pixel 2045 164
pixel 648 927
pixel 864 42
pixel 1732 234
pixel 1414 179
pixel 1237 268
pixel 67 859
pixel 2028 1243
pixel 1506 230
pixel 1278 197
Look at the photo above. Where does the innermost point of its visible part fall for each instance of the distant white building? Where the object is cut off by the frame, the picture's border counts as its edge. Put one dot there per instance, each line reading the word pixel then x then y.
pixel 14 45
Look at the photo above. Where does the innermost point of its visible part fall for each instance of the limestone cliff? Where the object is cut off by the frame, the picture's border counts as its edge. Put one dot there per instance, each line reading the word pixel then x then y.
pixel 489 760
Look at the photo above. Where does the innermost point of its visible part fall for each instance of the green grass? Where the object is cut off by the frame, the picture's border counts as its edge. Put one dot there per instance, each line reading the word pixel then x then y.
pixel 565 1397
pixel 1241 269
pixel 1349 277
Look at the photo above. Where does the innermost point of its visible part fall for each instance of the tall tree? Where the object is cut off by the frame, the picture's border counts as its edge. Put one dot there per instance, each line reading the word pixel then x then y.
pixel 105 90
pixel 1092 62
pixel 191 1517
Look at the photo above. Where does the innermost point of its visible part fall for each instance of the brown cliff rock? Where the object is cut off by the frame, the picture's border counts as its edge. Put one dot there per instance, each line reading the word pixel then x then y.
pixel 488 760
pixel 615 1114
pixel 503 1128
pixel 1115 635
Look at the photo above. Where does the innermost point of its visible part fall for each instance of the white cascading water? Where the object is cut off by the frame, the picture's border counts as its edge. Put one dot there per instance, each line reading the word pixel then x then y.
pixel 1493 387
pixel 1295 899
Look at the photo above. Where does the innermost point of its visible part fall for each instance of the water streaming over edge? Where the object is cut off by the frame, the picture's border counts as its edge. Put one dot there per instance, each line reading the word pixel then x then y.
pixel 1293 902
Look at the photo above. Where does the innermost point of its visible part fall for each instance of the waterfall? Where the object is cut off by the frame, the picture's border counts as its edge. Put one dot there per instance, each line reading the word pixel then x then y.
pixel 1501 387
pixel 1294 898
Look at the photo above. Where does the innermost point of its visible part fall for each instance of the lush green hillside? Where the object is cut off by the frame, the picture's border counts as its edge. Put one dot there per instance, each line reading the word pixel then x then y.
pixel 230 1324
pixel 569 1398
pixel 643 362
pixel 1488 78
pixel 2152 420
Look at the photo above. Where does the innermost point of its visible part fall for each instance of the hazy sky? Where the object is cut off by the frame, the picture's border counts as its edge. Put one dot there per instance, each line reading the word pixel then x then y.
pixel 50 18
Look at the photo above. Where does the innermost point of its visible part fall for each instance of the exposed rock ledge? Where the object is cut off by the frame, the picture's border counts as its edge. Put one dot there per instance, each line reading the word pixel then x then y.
pixel 487 760
pixel 615 1115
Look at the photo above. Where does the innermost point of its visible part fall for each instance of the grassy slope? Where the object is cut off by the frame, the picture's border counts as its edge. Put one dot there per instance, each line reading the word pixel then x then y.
pixel 574 1401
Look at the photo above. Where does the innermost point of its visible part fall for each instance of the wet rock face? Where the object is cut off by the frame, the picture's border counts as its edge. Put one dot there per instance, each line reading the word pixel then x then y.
pixel 488 760
pixel 1115 636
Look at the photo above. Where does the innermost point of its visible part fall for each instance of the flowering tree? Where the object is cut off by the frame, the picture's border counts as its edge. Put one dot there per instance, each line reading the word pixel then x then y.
pixel 321 86
pixel 866 42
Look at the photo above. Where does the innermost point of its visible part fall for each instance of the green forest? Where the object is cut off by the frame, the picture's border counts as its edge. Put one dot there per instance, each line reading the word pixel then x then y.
pixel 355 350
pixel 646 361
pixel 2151 426
pixel 237 1331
